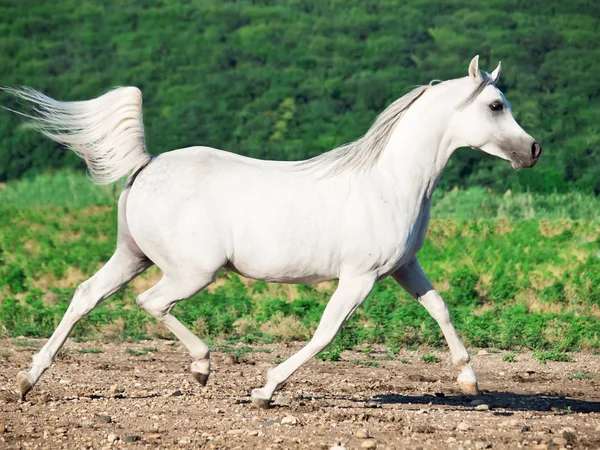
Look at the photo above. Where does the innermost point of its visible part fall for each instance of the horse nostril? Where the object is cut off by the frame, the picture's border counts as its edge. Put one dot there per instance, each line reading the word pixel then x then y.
pixel 536 150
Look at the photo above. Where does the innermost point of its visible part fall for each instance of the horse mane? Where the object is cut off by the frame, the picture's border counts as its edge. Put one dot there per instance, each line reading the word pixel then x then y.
pixel 365 151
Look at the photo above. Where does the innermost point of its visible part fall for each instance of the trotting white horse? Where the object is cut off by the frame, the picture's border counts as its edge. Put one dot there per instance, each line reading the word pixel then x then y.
pixel 356 214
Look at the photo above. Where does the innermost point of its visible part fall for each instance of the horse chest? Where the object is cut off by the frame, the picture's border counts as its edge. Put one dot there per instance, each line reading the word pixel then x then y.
pixel 403 241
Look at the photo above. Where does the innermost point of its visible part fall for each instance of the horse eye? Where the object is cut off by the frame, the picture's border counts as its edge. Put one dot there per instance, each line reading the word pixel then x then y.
pixel 497 106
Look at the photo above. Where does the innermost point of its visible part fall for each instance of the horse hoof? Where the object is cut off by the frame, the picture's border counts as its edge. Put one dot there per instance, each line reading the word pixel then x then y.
pixel 468 387
pixel 262 403
pixel 201 378
pixel 23 384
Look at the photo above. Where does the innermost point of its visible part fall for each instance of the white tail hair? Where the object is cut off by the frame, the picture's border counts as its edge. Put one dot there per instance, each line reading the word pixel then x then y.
pixel 107 132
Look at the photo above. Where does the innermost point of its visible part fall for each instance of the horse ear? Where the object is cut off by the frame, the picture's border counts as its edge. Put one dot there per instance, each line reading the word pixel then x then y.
pixel 496 73
pixel 474 70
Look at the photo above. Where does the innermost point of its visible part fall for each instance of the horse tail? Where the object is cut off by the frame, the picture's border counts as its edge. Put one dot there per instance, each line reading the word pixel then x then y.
pixel 106 132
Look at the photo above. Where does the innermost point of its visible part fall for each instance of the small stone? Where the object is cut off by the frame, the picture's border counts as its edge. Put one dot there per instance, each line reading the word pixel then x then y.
pixel 512 423
pixel 370 443
pixel 482 407
pixel 60 431
pixel 112 438
pixel 63 381
pixel 539 447
pixel 482 353
pixel 271 422
pixel 102 418
pixel 337 447
pixel 184 441
pixel 131 438
pixel 253 433
pixel 481 445
pixel 114 390
pixel 525 428
pixel 289 420
pixel 87 423
pixel 463 426
pixel 237 374
pixel 362 434
pixel 560 441
pixel 569 434
pixel 282 400
pixel 451 440
pixel 234 432
pixel 177 393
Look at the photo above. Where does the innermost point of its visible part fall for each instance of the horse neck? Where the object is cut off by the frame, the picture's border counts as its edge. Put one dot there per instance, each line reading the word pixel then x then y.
pixel 418 149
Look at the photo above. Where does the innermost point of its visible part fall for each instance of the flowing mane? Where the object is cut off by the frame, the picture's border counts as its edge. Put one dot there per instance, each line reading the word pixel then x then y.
pixel 365 151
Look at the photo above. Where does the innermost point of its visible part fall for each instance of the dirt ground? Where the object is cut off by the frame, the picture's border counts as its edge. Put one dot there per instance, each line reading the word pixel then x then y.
pixel 141 395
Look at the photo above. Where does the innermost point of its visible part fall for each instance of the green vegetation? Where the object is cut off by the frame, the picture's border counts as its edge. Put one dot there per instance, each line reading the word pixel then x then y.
pixel 24 343
pixel 515 254
pixel 552 355
pixel 288 79
pixel 581 376
pixel 141 351
pixel 509 284
pixel 430 358
pixel 86 350
pixel 509 357
pixel 364 363
pixel 74 190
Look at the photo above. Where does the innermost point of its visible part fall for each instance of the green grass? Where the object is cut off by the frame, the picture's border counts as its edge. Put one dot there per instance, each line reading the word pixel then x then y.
pixel 552 355
pixel 430 358
pixel 91 350
pixel 65 188
pixel 358 362
pixel 73 189
pixel 509 357
pixel 141 351
pixel 581 376
pixel 24 343
pixel 509 282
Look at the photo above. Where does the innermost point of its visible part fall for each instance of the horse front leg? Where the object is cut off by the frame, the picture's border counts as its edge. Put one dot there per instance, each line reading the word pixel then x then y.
pixel 412 278
pixel 349 295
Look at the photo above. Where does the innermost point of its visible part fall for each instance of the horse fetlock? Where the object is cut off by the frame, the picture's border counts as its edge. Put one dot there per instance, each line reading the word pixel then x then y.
pixel 462 361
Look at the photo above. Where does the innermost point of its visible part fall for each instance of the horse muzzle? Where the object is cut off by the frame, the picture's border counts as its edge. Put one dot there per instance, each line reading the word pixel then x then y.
pixel 528 158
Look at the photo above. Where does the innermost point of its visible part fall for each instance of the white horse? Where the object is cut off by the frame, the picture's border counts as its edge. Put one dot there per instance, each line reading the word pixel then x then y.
pixel 355 214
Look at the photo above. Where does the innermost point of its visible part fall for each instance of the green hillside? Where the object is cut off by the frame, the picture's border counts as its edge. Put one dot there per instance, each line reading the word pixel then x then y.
pixel 288 79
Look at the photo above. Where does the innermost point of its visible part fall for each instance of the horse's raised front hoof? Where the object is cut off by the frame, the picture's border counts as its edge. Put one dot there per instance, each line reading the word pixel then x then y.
pixel 201 378
pixel 23 384
pixel 468 387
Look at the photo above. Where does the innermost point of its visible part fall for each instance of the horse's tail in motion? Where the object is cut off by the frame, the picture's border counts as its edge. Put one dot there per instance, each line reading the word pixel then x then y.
pixel 107 132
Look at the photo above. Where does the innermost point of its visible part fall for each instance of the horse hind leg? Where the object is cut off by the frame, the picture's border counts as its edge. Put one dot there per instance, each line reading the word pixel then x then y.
pixel 158 302
pixel 123 266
